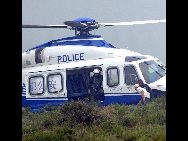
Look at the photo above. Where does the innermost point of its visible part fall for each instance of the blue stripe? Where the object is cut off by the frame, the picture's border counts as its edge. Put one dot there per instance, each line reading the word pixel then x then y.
pixel 63 41
pixel 123 99
pixel 120 99
pixel 35 105
pixel 110 98
pixel 135 93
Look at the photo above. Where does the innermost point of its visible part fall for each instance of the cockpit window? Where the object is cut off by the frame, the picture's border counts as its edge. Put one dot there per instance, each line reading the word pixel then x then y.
pixel 161 64
pixel 151 71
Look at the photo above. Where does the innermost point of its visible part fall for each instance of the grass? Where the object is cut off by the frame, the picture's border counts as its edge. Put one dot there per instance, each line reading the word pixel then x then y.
pixel 80 121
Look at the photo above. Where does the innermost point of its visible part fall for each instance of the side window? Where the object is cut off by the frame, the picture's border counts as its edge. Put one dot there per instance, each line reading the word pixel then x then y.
pixel 55 83
pixel 131 76
pixel 36 85
pixel 38 55
pixel 112 77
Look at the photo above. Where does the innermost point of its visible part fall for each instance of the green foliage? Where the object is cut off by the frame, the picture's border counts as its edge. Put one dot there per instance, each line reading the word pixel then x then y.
pixel 78 112
pixel 62 134
pixel 81 121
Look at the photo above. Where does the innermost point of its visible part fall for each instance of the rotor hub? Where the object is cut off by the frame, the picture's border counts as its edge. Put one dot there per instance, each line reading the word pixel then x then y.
pixel 83 25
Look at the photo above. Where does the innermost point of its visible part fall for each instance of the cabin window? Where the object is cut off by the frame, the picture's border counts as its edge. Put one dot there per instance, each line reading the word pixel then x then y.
pixel 55 83
pixel 131 76
pixel 38 55
pixel 112 77
pixel 36 85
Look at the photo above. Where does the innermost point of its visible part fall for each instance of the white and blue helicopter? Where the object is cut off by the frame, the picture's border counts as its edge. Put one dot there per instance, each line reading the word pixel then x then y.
pixel 59 71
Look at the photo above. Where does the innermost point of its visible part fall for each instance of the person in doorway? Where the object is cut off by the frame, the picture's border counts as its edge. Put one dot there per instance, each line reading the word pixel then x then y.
pixel 95 87
pixel 145 95
pixel 145 86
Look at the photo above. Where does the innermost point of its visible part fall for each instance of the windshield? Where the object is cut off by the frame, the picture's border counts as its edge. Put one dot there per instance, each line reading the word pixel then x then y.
pixel 151 71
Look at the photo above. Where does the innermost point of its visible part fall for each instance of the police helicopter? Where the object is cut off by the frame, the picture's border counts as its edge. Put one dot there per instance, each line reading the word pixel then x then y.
pixel 59 70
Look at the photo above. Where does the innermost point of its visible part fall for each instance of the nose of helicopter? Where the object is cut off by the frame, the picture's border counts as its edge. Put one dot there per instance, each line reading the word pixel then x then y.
pixel 159 84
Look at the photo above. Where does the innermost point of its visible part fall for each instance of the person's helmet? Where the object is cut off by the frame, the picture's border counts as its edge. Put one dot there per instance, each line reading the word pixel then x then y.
pixel 96 71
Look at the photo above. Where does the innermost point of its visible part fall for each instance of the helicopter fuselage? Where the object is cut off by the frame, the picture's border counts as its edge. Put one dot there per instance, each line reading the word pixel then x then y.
pixel 62 74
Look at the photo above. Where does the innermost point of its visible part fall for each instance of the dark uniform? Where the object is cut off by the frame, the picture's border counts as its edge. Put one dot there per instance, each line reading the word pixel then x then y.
pixel 95 87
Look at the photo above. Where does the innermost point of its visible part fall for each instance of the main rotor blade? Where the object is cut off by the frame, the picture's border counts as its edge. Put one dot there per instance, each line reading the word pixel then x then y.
pixel 134 22
pixel 44 26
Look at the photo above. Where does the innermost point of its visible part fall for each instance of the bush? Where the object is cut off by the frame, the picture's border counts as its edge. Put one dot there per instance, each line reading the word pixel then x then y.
pixel 81 121
pixel 61 134
pixel 78 112
pixel 145 133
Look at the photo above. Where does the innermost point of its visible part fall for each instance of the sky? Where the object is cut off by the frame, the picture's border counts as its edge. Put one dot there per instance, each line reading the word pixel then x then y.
pixel 146 39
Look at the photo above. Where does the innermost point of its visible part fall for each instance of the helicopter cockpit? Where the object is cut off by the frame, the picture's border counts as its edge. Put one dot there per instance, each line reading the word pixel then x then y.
pixel 151 71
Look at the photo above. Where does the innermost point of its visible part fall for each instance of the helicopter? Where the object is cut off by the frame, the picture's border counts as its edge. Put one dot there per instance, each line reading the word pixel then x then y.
pixel 59 71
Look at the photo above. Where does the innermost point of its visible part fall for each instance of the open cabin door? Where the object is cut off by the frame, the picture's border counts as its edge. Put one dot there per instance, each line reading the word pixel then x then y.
pixel 77 81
